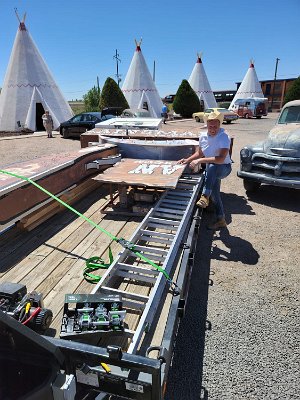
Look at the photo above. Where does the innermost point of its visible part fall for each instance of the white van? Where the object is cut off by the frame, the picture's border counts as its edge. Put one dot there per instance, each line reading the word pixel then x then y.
pixel 251 107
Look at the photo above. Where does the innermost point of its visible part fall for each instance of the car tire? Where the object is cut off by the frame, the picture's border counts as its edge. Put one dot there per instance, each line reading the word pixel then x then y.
pixel 228 122
pixel 258 117
pixel 251 186
pixel 246 116
pixel 197 119
pixel 64 133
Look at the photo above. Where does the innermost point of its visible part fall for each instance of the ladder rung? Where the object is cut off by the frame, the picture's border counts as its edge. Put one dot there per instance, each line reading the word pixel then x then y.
pixel 163 221
pixel 123 294
pixel 169 236
pixel 161 226
pixel 169 210
pixel 136 268
pixel 137 277
pixel 151 257
pixel 177 193
pixel 193 181
pixel 150 239
pixel 154 250
pixel 177 203
pixel 168 215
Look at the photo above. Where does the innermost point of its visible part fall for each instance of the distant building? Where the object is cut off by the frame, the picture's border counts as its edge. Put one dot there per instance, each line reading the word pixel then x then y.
pixel 223 96
pixel 280 89
pixel 276 92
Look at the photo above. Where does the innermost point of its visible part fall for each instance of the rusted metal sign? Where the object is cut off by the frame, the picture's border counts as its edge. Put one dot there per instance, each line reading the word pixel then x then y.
pixel 152 173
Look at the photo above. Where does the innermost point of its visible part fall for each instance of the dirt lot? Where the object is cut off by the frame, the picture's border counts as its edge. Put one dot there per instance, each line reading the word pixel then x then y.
pixel 240 335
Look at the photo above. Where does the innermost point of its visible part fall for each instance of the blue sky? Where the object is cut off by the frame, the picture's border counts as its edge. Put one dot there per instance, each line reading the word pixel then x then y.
pixel 78 39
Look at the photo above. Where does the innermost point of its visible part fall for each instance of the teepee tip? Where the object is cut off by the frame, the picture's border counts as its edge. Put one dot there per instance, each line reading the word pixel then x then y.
pixel 22 26
pixel 199 58
pixel 138 44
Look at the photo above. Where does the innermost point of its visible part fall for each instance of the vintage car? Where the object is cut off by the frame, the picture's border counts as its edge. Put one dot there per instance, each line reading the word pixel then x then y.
pixel 229 115
pixel 276 161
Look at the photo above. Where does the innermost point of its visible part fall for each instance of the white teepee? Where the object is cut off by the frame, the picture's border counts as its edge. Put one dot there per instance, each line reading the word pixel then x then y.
pixel 199 82
pixel 250 86
pixel 29 88
pixel 139 85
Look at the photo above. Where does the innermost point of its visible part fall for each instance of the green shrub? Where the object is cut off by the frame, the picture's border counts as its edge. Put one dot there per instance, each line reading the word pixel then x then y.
pixel 294 91
pixel 112 96
pixel 91 99
pixel 186 101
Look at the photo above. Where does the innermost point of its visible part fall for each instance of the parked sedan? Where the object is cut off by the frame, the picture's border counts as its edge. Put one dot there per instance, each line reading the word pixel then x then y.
pixel 81 123
pixel 229 115
pixel 136 113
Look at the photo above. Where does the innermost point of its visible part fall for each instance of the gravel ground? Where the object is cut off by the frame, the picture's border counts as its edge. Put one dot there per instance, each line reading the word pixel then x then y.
pixel 240 335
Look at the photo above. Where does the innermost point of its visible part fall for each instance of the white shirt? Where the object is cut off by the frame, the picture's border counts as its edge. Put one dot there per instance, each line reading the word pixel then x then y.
pixel 211 145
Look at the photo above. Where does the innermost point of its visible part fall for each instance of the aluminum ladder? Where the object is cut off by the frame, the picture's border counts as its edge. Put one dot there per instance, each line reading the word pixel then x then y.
pixel 158 237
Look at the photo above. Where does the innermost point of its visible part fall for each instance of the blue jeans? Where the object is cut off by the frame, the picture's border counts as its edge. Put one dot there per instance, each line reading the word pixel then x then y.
pixel 213 175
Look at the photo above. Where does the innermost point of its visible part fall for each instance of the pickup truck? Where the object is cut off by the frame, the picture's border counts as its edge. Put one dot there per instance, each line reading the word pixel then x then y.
pixel 275 161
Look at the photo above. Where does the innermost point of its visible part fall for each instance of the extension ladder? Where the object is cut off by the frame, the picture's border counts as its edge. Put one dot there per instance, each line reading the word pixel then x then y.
pixel 158 238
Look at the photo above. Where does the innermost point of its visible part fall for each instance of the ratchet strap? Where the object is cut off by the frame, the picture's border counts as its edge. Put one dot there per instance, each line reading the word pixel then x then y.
pixel 95 262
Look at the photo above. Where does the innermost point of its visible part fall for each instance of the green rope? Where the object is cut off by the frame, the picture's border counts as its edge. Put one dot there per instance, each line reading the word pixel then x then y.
pixel 94 263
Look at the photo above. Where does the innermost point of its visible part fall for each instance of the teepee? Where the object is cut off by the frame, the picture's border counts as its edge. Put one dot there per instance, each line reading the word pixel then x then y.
pixel 29 88
pixel 139 87
pixel 250 86
pixel 199 82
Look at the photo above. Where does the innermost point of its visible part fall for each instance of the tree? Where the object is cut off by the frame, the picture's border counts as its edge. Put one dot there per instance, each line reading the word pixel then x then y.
pixel 294 91
pixel 91 99
pixel 112 95
pixel 186 101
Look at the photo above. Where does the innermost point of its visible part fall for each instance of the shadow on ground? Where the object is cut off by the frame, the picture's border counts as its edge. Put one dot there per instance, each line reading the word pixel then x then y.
pixel 185 375
pixel 237 249
pixel 277 197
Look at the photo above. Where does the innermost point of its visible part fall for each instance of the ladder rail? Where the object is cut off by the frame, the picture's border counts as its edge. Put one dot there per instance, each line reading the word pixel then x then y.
pixel 178 229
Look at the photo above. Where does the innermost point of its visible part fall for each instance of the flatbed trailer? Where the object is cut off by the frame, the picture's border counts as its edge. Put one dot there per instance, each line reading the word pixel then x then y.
pixel 138 361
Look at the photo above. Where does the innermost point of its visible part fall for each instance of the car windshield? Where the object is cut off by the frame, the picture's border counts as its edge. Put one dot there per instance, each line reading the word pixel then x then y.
pixel 142 113
pixel 289 115
pixel 223 110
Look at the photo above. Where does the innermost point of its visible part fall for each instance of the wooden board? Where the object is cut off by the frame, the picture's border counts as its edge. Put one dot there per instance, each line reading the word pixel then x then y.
pixel 55 173
pixel 146 173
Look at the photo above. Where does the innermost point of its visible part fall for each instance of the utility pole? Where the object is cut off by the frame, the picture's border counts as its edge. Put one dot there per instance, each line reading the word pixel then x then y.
pixel 98 87
pixel 153 71
pixel 275 76
pixel 118 76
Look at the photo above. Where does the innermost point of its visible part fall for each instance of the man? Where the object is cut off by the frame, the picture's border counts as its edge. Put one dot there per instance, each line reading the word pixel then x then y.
pixel 164 113
pixel 48 123
pixel 213 151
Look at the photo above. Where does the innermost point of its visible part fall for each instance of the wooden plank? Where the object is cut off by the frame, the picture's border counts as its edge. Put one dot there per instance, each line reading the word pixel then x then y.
pixel 47 240
pixel 76 283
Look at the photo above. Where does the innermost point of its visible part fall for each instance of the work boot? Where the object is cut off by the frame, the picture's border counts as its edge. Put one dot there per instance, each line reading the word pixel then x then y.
pixel 203 202
pixel 221 223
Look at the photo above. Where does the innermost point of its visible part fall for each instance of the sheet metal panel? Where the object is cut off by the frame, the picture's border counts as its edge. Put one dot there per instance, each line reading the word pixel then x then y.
pixel 149 173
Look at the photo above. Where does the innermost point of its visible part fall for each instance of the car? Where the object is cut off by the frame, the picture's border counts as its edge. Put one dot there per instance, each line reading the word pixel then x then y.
pixel 169 98
pixel 229 115
pixel 81 123
pixel 275 161
pixel 136 113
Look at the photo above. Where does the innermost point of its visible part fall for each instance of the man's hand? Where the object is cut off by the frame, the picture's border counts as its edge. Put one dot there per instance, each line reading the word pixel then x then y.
pixel 194 163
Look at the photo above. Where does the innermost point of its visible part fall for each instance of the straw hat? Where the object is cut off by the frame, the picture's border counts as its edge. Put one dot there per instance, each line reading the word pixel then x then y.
pixel 214 115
